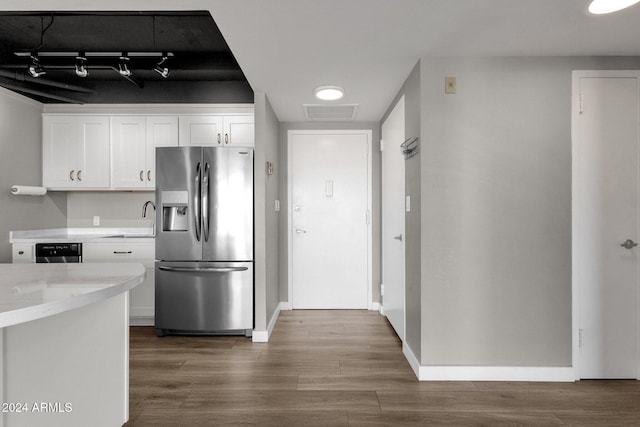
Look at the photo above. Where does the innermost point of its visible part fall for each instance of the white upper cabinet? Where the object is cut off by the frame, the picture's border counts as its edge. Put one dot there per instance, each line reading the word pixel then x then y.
pixel 128 152
pixel 200 130
pixel 162 131
pixel 222 130
pixel 75 152
pixel 102 150
pixel 133 143
pixel 239 131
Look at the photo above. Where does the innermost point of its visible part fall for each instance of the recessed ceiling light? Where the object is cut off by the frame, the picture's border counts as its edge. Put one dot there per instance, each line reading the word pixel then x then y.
pixel 330 93
pixel 600 7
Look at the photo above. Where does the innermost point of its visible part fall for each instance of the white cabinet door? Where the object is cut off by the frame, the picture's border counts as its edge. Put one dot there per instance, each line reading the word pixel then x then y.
pixel 201 130
pixel 133 143
pixel 142 297
pixel 93 152
pixel 128 152
pixel 162 131
pixel 75 152
pixel 23 253
pixel 59 151
pixel 239 131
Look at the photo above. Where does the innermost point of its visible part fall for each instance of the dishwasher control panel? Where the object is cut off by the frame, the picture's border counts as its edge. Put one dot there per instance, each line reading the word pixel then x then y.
pixel 58 252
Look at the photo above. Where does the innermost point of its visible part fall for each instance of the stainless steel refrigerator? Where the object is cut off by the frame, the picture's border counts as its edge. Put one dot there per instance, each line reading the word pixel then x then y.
pixel 204 240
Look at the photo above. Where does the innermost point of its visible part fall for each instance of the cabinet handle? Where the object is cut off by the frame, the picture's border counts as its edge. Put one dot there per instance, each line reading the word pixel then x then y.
pixel 226 138
pixel 71 175
pixel 79 175
pixel 122 252
pixel 218 138
pixel 149 175
pixel 141 176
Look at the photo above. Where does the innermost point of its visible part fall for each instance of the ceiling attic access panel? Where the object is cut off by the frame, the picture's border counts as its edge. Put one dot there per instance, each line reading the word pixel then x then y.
pixel 172 57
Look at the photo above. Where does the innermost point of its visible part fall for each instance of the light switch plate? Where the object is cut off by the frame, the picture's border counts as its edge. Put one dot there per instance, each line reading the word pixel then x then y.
pixel 96 220
pixel 450 85
pixel 277 206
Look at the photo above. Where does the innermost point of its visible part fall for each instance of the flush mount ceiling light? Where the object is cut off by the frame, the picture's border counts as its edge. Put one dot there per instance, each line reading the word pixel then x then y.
pixel 330 93
pixel 600 7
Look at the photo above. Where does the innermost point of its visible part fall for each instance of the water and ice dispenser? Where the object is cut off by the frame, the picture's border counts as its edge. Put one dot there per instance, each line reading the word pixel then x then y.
pixel 175 209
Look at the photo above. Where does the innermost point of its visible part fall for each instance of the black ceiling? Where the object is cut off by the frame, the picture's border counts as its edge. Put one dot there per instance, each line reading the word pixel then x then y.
pixel 202 68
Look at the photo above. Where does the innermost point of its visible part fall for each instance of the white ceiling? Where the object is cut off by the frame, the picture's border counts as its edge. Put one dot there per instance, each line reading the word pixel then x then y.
pixel 288 47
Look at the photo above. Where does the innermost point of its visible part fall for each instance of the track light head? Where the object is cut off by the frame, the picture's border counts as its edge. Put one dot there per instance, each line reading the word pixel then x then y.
pixel 81 66
pixel 35 69
pixel 161 68
pixel 123 66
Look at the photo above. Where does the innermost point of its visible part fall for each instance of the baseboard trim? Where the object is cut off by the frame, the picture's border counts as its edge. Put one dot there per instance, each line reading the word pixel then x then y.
pixel 263 336
pixel 375 306
pixel 487 373
pixel 142 321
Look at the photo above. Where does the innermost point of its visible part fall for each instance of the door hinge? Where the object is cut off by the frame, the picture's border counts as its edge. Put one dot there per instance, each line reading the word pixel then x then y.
pixel 581 103
pixel 580 337
pixel 381 145
pixel 381 289
pixel 368 216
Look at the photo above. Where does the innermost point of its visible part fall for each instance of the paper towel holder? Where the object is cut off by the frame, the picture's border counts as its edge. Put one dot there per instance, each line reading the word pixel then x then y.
pixel 26 190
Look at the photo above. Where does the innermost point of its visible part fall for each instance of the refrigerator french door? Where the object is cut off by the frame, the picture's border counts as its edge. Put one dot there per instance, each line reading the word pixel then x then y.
pixel 204 240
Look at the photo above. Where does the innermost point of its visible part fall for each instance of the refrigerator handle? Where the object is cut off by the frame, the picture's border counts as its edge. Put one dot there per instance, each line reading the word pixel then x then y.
pixel 196 202
pixel 203 269
pixel 205 202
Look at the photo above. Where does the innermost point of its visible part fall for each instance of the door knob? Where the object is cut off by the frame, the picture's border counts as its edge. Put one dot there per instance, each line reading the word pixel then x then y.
pixel 398 237
pixel 629 244
pixel 300 231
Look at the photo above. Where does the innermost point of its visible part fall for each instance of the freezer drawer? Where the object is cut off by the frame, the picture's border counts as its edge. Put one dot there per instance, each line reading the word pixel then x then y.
pixel 204 297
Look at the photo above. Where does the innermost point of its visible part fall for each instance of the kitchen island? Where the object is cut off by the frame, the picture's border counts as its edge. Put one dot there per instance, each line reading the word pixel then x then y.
pixel 64 343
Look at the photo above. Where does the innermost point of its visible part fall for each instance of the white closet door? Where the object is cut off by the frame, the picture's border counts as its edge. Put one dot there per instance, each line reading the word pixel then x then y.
pixel 393 212
pixel 606 216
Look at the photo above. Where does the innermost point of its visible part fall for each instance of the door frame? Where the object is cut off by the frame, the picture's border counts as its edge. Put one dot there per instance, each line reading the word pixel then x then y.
pixel 369 135
pixel 577 216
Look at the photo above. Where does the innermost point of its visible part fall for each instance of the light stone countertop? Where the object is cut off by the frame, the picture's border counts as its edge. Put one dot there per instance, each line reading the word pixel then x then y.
pixel 34 291
pixel 81 235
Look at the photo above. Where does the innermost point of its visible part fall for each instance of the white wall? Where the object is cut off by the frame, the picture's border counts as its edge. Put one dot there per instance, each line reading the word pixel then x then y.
pixel 21 163
pixel 267 295
pixel 115 209
pixel 496 209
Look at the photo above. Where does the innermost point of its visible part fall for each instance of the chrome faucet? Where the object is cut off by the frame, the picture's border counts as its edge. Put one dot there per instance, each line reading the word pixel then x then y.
pixel 144 213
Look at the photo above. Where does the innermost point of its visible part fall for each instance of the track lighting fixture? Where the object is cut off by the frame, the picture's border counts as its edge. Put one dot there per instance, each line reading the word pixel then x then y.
pixel 35 69
pixel 111 60
pixel 161 68
pixel 123 66
pixel 81 66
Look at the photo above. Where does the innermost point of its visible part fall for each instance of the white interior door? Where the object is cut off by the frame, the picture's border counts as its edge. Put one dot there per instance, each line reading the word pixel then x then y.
pixel 393 218
pixel 605 216
pixel 329 219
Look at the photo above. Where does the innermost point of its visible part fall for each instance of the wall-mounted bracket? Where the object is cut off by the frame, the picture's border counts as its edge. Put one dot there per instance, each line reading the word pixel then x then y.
pixel 410 147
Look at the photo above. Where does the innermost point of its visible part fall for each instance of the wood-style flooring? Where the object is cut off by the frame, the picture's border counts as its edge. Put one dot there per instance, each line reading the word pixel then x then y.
pixel 341 368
